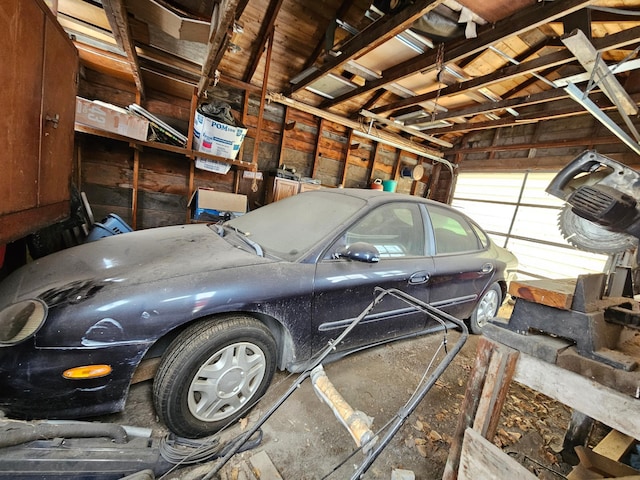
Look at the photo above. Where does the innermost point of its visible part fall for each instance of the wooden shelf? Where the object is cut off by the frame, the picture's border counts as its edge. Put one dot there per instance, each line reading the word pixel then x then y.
pixel 187 152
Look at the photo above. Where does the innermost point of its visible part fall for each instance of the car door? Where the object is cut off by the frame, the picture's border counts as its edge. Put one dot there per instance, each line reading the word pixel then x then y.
pixel 344 288
pixel 463 267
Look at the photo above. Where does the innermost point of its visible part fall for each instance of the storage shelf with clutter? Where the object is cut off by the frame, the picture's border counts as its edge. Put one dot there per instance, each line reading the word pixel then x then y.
pixel 213 148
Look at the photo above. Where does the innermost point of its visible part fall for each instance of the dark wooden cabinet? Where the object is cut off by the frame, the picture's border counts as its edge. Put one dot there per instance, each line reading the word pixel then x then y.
pixel 38 84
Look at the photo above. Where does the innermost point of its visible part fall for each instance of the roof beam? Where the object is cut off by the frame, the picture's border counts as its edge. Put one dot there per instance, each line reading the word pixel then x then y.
pixel 522 21
pixel 221 24
pixel 266 31
pixel 342 11
pixel 382 136
pixel 119 22
pixel 561 112
pixel 552 60
pixel 371 37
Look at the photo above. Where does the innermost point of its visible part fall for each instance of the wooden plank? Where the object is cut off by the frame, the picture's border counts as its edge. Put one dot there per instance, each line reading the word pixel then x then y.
pixel 469 405
pixel 263 467
pixel 556 293
pixel 615 445
pixel 494 392
pixel 482 459
pixel 604 404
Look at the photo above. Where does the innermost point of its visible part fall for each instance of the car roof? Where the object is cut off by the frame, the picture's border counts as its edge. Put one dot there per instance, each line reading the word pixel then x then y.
pixel 376 196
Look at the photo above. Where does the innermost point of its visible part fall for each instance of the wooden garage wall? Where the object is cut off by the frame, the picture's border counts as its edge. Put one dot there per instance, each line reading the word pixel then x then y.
pixel 547 145
pixel 315 148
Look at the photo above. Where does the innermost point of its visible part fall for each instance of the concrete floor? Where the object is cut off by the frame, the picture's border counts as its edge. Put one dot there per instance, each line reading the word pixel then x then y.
pixel 304 441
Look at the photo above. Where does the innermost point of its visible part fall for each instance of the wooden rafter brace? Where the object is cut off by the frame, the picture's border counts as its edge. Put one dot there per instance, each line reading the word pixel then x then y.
pixel 219 33
pixel 118 20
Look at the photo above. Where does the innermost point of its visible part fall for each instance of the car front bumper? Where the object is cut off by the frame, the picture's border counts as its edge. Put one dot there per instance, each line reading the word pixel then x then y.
pixel 32 385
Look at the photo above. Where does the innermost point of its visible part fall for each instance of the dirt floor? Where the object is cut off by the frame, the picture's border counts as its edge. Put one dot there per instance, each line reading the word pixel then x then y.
pixel 304 441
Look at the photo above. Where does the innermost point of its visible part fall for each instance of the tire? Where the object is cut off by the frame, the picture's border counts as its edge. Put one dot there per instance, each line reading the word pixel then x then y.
pixel 233 358
pixel 486 309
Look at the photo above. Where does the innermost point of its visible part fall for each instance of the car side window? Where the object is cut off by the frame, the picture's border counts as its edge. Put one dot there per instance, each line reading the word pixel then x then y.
pixel 452 232
pixel 395 229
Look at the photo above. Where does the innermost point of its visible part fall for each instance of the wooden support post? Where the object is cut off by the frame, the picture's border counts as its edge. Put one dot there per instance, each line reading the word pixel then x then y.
pixel 486 391
pixel 190 154
pixel 396 167
pixel 343 179
pixel 372 162
pixel 283 140
pixel 135 175
pixel 134 190
pixel 316 153
pixel 256 142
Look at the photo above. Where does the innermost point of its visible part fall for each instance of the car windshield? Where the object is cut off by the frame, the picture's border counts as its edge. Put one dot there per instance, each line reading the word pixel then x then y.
pixel 290 227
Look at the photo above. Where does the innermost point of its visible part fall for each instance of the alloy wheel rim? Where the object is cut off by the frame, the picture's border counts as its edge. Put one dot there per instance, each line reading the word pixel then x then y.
pixel 226 381
pixel 487 308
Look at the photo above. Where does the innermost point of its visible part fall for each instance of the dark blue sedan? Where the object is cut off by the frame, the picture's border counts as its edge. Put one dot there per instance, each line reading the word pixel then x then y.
pixel 219 307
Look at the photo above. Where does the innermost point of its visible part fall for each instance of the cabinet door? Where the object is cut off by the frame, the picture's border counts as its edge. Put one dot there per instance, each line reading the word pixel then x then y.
pixel 21 34
pixel 284 188
pixel 58 114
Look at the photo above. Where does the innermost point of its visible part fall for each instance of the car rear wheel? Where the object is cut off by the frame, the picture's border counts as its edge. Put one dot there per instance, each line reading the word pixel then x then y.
pixel 212 373
pixel 486 309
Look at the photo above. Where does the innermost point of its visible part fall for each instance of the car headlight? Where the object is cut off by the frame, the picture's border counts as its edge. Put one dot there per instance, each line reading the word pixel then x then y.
pixel 21 320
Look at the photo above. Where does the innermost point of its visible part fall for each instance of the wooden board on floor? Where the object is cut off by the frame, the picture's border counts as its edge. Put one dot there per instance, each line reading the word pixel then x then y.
pixel 482 459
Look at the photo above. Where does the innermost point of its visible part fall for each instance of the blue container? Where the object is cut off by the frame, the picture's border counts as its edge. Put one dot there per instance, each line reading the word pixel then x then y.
pixel 389 185
pixel 111 225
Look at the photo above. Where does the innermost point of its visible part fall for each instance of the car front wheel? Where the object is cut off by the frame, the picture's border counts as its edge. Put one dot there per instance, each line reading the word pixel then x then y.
pixel 486 309
pixel 212 373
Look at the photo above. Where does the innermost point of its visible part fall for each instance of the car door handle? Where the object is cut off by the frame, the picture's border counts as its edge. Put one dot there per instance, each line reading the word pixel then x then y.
pixel 487 268
pixel 419 278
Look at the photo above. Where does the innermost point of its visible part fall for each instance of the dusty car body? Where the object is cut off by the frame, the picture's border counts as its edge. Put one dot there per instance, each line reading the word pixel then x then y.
pixel 224 305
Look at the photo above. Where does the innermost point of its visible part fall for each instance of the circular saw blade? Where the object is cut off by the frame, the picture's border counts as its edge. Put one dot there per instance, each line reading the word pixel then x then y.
pixel 591 237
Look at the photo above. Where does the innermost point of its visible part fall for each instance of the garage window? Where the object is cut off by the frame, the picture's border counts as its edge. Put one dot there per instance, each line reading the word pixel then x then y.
pixel 518 214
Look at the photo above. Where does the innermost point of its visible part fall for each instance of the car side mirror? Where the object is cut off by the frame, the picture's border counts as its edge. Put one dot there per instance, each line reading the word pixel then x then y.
pixel 360 252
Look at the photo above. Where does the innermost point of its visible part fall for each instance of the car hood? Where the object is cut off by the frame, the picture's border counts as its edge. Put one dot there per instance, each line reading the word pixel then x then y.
pixel 129 259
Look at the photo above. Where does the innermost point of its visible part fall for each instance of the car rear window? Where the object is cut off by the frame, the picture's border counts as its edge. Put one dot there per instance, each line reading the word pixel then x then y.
pixel 290 227
pixel 453 233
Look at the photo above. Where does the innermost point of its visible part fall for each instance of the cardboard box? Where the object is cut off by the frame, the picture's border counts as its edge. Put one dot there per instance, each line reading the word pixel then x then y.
pixel 216 138
pixel 111 118
pixel 211 205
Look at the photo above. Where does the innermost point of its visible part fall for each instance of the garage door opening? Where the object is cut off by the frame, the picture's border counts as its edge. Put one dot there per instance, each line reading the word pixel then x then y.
pixel 518 214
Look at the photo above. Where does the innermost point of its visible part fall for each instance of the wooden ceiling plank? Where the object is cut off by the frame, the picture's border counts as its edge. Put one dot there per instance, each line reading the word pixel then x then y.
pixel 221 24
pixel 117 16
pixel 524 20
pixel 371 37
pixel 266 30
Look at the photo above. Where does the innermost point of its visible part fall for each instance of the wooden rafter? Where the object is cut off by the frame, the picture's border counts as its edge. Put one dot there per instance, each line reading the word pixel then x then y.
pixel 222 20
pixel 342 11
pixel 548 114
pixel 552 60
pixel 525 20
pixel 373 36
pixel 266 29
pixel 118 20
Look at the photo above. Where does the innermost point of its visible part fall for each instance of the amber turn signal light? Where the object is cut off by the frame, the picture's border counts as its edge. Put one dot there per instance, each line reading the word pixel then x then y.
pixel 87 371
